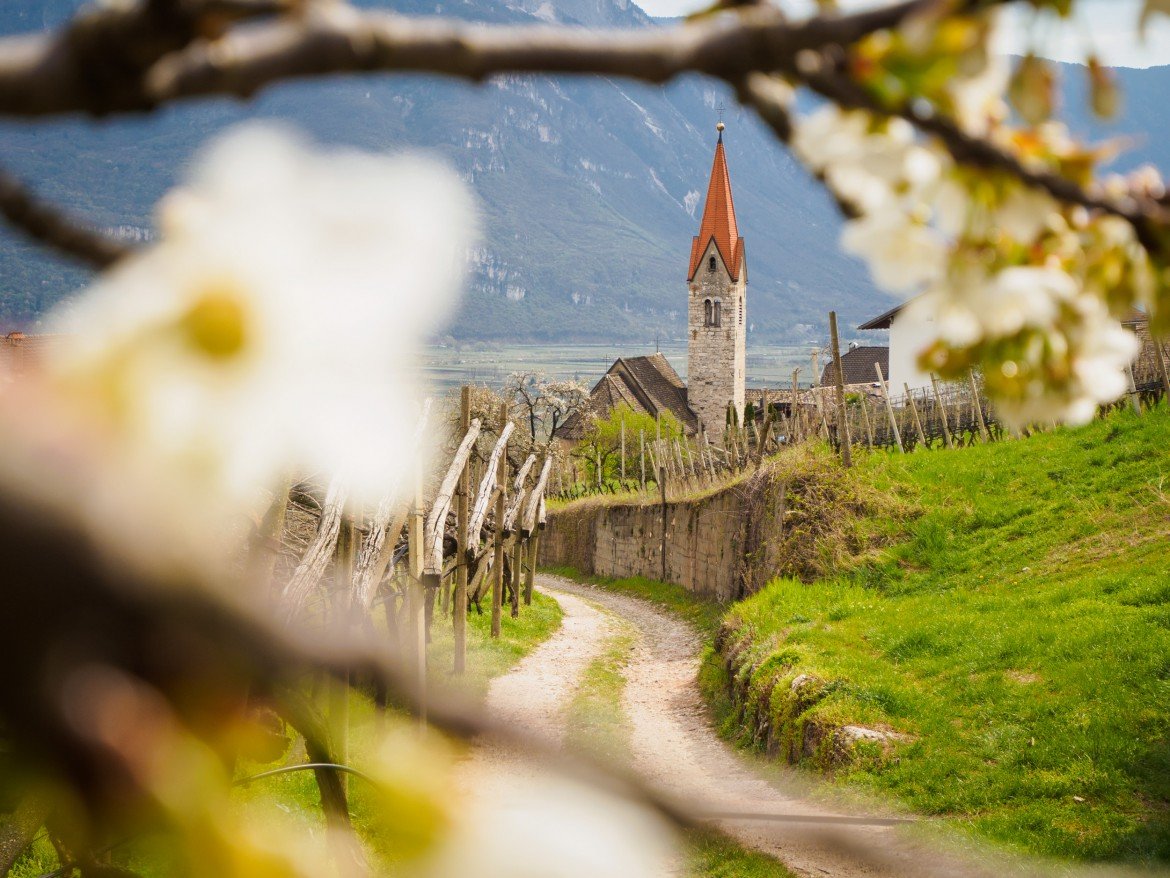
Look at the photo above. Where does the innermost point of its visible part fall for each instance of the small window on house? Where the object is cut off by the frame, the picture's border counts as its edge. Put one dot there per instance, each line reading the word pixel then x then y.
pixel 707 312
pixel 718 321
pixel 711 264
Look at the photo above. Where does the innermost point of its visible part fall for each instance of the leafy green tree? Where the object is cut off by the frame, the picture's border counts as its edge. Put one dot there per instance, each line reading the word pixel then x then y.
pixel 603 440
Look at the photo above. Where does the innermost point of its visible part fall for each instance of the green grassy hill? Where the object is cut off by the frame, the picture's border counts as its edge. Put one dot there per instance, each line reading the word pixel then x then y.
pixel 1016 631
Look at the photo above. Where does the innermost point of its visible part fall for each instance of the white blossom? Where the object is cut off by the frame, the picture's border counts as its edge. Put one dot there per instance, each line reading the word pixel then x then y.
pixel 273 327
pixel 1025 212
pixel 903 254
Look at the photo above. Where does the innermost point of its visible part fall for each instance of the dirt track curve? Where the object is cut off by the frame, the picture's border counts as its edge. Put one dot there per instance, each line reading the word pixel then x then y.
pixel 676 749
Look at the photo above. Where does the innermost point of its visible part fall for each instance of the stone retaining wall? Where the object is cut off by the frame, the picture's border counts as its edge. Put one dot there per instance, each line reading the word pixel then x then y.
pixel 704 542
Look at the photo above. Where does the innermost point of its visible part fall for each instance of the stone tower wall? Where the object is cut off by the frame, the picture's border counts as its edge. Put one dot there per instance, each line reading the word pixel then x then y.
pixel 716 355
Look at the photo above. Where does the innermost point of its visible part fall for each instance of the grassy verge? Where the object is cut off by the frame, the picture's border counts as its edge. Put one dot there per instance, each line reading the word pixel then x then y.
pixel 488 658
pixel 1019 634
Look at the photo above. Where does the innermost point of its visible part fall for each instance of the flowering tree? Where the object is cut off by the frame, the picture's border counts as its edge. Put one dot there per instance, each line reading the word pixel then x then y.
pixel 260 336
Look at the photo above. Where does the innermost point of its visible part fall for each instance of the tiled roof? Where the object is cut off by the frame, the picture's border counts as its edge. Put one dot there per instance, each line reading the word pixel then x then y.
pixel 718 220
pixel 646 384
pixel 858 366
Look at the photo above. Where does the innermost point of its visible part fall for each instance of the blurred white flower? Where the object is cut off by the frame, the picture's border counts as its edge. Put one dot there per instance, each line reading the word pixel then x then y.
pixel 274 327
pixel 1025 212
pixel 903 254
pixel 550 827
pixel 1025 296
pixel 979 100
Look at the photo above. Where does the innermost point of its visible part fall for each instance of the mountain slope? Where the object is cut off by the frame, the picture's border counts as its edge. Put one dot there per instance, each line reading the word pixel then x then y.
pixel 589 187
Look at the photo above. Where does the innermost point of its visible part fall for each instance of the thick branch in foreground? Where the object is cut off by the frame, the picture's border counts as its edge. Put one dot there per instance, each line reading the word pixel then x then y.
pixel 106 63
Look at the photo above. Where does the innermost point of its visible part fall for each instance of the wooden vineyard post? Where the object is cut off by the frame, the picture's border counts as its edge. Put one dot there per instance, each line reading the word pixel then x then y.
pixel 1162 371
pixel 517 574
pixel 795 406
pixel 339 685
pixel 498 573
pixel 889 407
pixel 623 463
pixel 942 411
pixel 418 598
pixel 662 487
pixel 459 601
pixel 914 413
pixel 983 431
pixel 642 456
pixel 533 557
pixel 842 421
pixel 865 420
pixel 597 464
pixel 1133 393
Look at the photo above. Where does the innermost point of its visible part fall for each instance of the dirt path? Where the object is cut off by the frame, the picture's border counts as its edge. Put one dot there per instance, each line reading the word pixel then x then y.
pixel 677 750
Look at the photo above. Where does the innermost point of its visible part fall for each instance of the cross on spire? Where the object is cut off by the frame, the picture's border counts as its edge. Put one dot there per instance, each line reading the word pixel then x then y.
pixel 719 126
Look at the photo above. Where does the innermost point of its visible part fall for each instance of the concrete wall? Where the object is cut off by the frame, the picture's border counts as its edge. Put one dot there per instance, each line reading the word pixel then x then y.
pixel 704 542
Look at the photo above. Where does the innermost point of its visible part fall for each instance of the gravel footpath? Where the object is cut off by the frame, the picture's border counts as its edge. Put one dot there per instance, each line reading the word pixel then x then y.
pixel 677 750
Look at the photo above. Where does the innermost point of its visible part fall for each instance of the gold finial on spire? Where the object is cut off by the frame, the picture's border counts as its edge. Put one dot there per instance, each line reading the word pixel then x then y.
pixel 720 126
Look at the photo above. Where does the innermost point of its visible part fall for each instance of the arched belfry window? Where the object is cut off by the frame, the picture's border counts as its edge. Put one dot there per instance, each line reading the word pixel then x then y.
pixel 711 264
pixel 707 318
pixel 718 321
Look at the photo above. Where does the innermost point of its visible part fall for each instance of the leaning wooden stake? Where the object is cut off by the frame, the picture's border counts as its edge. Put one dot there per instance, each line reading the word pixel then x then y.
pixel 983 431
pixel 1160 354
pixel 533 557
pixel 842 421
pixel 642 456
pixel 662 491
pixel 459 599
pixel 316 557
pixel 339 684
pixel 517 574
pixel 889 407
pixel 623 463
pixel 795 406
pixel 418 598
pixel 914 413
pixel 942 411
pixel 501 476
pixel 865 420
pixel 1133 392
pixel 437 519
pixel 491 477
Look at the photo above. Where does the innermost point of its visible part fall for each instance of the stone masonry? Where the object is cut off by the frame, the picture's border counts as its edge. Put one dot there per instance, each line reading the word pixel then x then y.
pixel 716 353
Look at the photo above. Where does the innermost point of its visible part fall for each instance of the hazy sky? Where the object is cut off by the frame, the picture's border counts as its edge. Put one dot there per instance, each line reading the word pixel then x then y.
pixel 1109 26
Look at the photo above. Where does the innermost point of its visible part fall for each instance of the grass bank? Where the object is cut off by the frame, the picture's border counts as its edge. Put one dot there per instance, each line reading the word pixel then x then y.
pixel 1011 640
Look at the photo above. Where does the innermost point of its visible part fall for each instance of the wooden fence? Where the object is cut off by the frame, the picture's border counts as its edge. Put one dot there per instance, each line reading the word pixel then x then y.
pixel 474 542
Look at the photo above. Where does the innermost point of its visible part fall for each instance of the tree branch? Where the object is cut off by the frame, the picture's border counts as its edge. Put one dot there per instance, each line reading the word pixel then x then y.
pixel 47 224
pixel 133 59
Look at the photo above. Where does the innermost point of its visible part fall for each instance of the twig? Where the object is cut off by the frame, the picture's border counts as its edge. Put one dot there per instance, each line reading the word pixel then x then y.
pixel 47 224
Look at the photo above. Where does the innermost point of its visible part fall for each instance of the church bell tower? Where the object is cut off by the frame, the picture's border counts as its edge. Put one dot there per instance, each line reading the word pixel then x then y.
pixel 717 307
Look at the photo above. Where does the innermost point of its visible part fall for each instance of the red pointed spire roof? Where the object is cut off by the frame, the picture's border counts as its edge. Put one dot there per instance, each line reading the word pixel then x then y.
pixel 719 219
